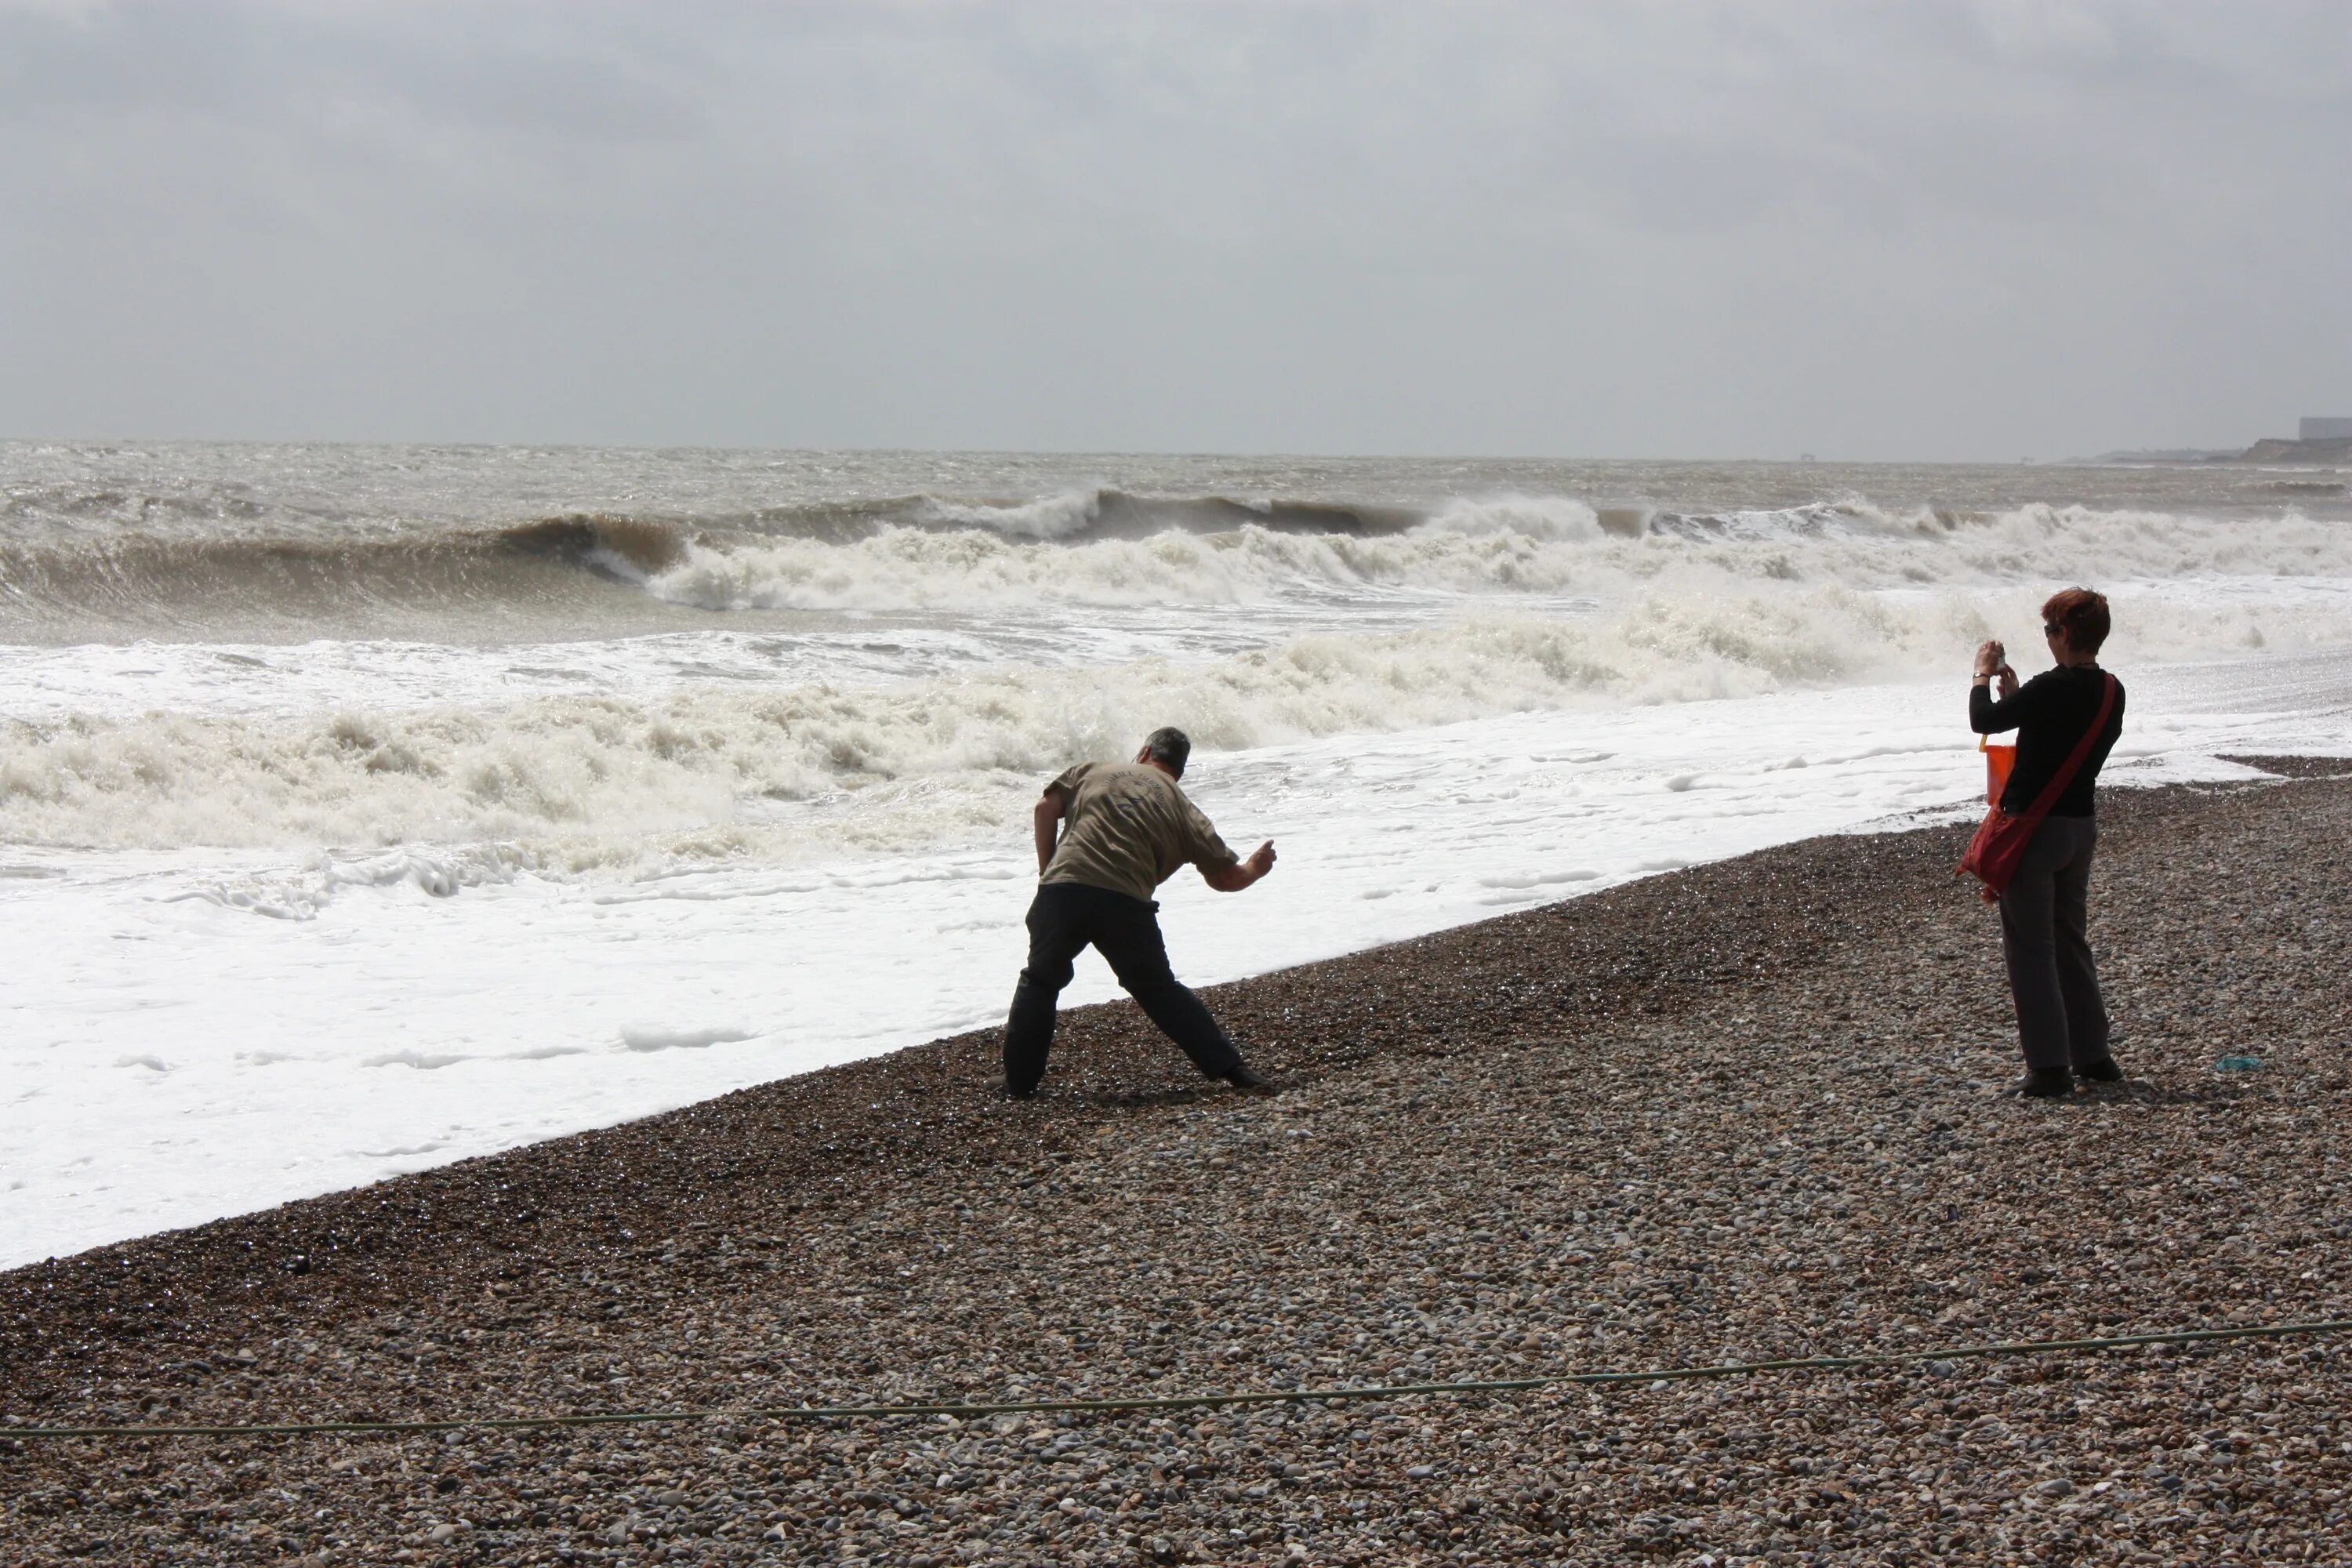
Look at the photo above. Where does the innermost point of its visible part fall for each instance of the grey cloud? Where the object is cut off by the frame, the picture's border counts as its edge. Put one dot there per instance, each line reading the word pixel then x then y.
pixel 1690 228
pixel 530 70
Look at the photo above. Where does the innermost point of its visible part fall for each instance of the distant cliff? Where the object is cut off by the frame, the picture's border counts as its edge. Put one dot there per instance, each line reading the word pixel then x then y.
pixel 2334 452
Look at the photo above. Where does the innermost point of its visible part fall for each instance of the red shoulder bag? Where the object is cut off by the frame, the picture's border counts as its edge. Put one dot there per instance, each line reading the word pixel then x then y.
pixel 2000 842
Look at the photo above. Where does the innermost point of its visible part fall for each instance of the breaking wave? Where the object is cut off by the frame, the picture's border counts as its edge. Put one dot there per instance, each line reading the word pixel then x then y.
pixel 1550 548
pixel 1116 514
pixel 818 768
pixel 1103 547
pixel 174 580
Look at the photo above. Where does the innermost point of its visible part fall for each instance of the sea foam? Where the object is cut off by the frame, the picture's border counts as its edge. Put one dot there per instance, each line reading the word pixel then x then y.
pixel 815 768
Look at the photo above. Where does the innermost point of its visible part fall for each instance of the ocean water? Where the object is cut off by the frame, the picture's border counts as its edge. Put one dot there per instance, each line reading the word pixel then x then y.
pixel 362 808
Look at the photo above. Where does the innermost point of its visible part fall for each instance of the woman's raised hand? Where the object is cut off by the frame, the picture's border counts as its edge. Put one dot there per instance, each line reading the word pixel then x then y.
pixel 1990 655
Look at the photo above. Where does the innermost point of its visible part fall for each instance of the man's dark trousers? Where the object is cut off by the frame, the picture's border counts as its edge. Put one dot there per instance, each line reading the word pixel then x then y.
pixel 2062 1020
pixel 1064 920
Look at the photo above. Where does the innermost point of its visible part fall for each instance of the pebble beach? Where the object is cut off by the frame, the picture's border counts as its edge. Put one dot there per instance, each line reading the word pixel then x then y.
pixel 1751 1110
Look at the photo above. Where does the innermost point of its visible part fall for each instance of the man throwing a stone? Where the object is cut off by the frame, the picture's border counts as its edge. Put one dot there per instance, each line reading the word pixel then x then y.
pixel 1123 828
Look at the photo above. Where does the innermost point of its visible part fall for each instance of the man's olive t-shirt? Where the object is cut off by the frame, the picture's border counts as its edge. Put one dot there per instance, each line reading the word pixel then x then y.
pixel 1126 827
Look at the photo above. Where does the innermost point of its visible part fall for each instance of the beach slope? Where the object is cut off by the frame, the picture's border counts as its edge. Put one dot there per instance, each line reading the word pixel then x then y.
pixel 1747 1110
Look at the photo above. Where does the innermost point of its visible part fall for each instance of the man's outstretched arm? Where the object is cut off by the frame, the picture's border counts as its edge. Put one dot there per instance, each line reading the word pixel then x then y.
pixel 1241 874
pixel 1047 820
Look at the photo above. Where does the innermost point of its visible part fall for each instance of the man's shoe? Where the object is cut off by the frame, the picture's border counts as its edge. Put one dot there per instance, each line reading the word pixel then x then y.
pixel 2104 1070
pixel 1248 1082
pixel 2045 1085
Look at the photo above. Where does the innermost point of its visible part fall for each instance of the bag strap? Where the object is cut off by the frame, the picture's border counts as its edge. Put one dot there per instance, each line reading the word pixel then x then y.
pixel 2073 764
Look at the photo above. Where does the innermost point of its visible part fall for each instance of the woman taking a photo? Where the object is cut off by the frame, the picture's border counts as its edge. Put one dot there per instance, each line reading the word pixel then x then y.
pixel 2062 1022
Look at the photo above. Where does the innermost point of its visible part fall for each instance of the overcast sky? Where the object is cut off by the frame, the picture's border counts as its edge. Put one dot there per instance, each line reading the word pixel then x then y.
pixel 1882 231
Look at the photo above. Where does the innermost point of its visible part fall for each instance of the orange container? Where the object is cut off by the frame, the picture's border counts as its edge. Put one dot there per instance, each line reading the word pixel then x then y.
pixel 1998 761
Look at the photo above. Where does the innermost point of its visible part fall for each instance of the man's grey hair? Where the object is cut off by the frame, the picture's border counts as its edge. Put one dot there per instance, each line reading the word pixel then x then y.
pixel 1169 747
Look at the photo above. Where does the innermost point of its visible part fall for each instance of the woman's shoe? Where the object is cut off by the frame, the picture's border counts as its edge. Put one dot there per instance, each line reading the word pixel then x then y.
pixel 2104 1070
pixel 2045 1085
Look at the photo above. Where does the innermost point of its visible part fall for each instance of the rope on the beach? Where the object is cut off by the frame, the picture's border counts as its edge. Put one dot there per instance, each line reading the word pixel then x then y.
pixel 739 1415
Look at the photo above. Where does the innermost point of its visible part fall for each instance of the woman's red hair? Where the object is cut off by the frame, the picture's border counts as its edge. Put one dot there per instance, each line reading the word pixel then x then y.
pixel 2083 612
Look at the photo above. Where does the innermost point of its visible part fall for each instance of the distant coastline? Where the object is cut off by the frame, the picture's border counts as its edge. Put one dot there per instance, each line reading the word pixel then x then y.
pixel 2328 452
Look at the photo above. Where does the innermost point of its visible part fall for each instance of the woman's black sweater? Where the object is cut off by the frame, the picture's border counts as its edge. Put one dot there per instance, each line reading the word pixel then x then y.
pixel 2050 713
